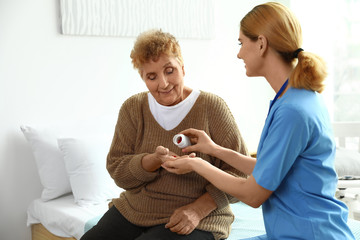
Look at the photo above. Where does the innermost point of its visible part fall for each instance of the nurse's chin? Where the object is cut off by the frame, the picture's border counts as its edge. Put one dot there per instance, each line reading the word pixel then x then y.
pixel 250 74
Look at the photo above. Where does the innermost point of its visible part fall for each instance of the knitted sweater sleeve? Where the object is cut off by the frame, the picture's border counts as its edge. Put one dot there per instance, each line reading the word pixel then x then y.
pixel 123 163
pixel 225 132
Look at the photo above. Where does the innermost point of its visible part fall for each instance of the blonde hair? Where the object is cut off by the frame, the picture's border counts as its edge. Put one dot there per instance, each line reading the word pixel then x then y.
pixel 150 45
pixel 283 32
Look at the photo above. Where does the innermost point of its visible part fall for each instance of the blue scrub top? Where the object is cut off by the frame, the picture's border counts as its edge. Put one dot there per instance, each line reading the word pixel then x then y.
pixel 295 160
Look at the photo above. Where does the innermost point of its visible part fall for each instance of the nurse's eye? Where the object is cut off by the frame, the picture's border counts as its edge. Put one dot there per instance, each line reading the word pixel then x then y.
pixel 151 76
pixel 240 43
pixel 169 70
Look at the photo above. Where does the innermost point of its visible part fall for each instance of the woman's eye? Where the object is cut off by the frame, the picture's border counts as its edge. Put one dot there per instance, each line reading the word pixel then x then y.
pixel 240 43
pixel 151 76
pixel 169 70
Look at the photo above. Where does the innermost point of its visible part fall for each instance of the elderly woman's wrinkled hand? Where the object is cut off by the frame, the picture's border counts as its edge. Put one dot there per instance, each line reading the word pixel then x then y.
pixel 185 219
pixel 164 155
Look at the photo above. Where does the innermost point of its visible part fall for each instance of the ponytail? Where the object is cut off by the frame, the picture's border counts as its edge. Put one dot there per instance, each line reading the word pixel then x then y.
pixel 309 73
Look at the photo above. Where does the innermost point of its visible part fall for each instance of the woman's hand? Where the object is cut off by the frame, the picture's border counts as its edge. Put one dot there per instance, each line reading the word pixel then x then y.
pixel 162 154
pixel 182 165
pixel 184 220
pixel 200 140
pixel 152 162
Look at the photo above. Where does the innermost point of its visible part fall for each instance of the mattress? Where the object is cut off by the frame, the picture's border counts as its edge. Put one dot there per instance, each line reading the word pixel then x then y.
pixel 62 217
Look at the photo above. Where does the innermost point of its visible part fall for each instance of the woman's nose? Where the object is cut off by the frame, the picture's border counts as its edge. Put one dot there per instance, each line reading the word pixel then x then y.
pixel 238 55
pixel 163 82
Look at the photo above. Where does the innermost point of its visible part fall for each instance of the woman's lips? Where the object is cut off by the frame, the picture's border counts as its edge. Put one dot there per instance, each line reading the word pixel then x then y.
pixel 165 92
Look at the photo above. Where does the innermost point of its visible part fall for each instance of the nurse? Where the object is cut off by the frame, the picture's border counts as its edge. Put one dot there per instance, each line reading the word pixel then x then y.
pixel 293 176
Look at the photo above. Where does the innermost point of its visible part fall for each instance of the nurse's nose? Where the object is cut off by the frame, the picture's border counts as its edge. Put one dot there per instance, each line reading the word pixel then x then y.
pixel 238 55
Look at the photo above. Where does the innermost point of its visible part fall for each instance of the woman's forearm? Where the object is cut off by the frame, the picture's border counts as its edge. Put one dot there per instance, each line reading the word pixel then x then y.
pixel 246 190
pixel 204 205
pixel 220 179
pixel 151 162
pixel 237 160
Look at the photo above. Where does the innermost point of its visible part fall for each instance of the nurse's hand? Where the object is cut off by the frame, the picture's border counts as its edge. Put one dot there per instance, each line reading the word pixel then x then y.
pixel 200 140
pixel 182 165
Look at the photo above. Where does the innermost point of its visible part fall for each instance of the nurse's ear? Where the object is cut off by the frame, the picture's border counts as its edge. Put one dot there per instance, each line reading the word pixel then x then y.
pixel 183 70
pixel 262 44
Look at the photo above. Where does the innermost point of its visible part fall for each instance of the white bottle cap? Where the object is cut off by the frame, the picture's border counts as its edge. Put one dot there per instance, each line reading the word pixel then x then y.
pixel 181 140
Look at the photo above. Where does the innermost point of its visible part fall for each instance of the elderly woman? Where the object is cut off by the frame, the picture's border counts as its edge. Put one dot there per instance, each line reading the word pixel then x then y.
pixel 156 203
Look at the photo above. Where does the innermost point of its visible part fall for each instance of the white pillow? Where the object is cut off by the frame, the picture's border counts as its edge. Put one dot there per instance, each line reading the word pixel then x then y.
pixel 49 162
pixel 347 162
pixel 85 162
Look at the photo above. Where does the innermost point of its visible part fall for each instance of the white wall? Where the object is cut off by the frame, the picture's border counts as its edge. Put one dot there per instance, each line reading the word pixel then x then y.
pixel 46 78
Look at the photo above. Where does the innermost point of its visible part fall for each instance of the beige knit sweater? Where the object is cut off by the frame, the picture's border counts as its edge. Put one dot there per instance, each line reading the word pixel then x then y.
pixel 151 197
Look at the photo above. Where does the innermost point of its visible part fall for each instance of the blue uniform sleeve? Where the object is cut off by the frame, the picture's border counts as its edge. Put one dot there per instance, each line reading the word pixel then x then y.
pixel 284 138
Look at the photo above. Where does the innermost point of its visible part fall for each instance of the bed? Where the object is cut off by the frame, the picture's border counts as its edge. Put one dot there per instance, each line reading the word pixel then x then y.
pixel 248 221
pixel 67 207
pixel 71 220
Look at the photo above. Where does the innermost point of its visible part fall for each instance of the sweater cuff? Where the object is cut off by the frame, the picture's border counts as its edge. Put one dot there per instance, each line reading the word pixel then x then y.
pixel 139 172
pixel 219 197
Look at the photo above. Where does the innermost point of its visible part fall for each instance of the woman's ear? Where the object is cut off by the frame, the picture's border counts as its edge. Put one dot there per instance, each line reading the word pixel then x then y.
pixel 183 70
pixel 263 44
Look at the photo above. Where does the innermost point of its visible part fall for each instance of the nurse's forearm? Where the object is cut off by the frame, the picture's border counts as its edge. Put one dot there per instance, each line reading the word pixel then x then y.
pixel 237 160
pixel 246 190
pixel 220 179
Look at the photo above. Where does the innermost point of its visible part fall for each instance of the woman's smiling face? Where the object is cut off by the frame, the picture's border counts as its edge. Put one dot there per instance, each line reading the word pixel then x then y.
pixel 165 80
pixel 249 54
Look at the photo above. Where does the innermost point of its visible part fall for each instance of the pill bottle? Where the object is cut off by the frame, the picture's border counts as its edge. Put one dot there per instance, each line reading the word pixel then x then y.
pixel 181 140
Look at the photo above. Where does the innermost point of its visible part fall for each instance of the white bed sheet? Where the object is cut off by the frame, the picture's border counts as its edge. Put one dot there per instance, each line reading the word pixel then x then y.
pixel 62 216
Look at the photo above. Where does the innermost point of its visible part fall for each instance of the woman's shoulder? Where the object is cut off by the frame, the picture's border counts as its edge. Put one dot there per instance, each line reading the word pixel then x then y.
pixel 211 97
pixel 132 106
pixel 212 103
pixel 302 106
pixel 303 100
pixel 136 99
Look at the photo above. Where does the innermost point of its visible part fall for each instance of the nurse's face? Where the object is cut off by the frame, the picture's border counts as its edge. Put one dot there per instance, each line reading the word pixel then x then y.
pixel 249 54
pixel 165 80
